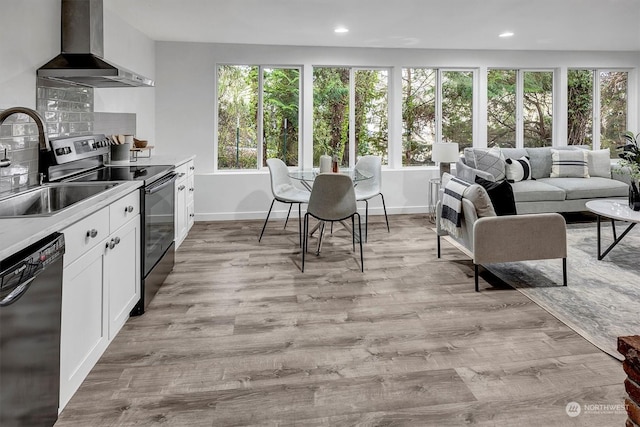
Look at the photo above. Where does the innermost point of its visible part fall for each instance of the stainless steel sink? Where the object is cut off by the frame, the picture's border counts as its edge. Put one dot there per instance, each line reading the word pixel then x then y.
pixel 49 199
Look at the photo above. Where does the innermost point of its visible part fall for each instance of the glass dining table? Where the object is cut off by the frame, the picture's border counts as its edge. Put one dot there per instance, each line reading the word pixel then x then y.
pixel 306 178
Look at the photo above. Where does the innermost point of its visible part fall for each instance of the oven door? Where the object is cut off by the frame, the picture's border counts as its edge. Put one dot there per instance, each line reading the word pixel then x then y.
pixel 159 228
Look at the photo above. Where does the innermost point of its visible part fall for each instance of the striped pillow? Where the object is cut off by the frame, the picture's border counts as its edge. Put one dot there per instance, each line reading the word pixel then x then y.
pixel 518 169
pixel 569 164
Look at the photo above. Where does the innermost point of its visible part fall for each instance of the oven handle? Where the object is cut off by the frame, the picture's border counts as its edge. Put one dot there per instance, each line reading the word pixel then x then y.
pixel 161 183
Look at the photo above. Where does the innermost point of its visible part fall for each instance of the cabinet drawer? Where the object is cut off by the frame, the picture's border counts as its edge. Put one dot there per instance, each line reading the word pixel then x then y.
pixel 123 210
pixel 85 234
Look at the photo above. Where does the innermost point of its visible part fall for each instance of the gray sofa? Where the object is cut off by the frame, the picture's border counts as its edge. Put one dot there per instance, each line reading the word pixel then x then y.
pixel 546 194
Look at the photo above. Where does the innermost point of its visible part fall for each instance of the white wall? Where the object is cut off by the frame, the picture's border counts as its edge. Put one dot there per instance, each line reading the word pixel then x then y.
pixel 30 36
pixel 185 99
pixel 129 48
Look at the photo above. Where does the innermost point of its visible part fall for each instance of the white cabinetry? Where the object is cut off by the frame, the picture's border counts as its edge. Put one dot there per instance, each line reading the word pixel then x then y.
pixel 184 200
pixel 101 284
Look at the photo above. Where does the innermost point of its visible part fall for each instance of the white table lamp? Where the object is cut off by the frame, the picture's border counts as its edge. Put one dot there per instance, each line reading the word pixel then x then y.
pixel 445 153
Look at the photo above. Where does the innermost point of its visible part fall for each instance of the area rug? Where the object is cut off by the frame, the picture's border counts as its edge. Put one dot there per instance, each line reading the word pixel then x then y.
pixel 602 299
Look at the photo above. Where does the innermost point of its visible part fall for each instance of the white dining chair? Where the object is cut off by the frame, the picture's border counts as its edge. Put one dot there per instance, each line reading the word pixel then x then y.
pixel 333 199
pixel 284 192
pixel 370 188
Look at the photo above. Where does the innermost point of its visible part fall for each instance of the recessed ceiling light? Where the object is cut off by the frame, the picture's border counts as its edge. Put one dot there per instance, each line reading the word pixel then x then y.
pixel 340 30
pixel 506 34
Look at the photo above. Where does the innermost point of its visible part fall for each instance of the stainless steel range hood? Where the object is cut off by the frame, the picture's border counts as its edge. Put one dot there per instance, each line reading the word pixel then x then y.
pixel 81 61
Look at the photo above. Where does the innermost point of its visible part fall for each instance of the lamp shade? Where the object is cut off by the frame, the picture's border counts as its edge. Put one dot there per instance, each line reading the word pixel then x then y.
pixel 445 152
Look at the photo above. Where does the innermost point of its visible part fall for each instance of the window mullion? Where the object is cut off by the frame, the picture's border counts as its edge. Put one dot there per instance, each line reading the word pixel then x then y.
pixel 438 105
pixel 260 118
pixel 596 110
pixel 519 109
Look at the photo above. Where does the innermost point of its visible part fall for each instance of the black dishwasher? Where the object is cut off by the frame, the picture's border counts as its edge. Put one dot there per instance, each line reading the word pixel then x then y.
pixel 30 303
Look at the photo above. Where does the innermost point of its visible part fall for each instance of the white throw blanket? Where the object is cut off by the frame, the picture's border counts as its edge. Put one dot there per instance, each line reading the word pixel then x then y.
pixel 451 215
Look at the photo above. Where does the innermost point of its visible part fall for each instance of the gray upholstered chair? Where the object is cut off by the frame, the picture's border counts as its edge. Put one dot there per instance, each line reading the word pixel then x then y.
pixel 284 192
pixel 520 238
pixel 370 188
pixel 509 238
pixel 332 199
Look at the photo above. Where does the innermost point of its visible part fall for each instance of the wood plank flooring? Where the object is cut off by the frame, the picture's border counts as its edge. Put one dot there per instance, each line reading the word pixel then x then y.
pixel 238 336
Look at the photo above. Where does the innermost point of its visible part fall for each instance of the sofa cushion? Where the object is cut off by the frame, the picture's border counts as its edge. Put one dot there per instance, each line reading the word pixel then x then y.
pixel 569 164
pixel 599 162
pixel 540 159
pixel 501 195
pixel 480 199
pixel 590 188
pixel 518 169
pixel 490 160
pixel 540 190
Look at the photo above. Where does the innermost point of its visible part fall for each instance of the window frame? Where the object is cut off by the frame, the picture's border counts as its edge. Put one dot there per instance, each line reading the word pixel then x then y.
pixel 260 115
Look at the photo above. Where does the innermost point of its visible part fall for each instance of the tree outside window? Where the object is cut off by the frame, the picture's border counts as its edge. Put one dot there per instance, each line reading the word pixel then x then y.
pixel 501 108
pixel 538 108
pixel 237 117
pixel 418 115
pixel 281 101
pixel 371 113
pixel 597 121
pixel 457 108
pixel 331 113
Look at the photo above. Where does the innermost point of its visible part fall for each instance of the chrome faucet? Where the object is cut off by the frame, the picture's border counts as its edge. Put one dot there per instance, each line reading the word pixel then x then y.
pixel 43 139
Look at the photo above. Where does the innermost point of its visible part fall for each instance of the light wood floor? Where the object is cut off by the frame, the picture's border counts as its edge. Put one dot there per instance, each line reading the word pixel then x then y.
pixel 239 336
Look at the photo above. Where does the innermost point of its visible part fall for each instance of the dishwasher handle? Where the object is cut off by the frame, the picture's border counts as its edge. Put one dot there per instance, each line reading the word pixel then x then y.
pixel 15 295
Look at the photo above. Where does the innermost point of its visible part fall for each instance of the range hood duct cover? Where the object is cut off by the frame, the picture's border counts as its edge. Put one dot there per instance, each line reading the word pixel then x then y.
pixel 81 61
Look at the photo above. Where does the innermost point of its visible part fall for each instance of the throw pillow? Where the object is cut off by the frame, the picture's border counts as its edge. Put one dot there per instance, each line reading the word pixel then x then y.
pixel 490 160
pixel 599 162
pixel 569 164
pixel 518 169
pixel 501 195
pixel 480 199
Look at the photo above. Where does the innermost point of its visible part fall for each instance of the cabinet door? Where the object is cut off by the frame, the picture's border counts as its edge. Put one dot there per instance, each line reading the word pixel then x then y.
pixel 190 200
pixel 84 335
pixel 122 273
pixel 181 211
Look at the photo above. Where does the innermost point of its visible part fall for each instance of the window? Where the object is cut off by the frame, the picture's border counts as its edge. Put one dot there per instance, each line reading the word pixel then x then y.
pixel 237 117
pixel 519 108
pixel 457 108
pixel 281 110
pixel 580 107
pixel 613 108
pixel 537 108
pixel 254 100
pixel 501 108
pixel 334 92
pixel 437 105
pixel 597 108
pixel 371 113
pixel 418 115
pixel 331 113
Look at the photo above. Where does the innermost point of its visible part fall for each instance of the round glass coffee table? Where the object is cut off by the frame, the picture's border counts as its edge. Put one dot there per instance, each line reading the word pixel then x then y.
pixel 613 209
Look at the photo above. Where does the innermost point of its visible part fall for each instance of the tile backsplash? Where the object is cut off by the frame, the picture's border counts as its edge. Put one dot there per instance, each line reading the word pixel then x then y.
pixel 67 110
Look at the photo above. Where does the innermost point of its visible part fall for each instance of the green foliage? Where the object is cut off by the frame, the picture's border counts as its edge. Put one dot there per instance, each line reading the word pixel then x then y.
pixel 501 108
pixel 630 155
pixel 330 113
pixel 418 115
pixel 580 107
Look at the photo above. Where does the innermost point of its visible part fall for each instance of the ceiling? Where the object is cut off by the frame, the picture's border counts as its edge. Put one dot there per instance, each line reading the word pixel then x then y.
pixel 445 24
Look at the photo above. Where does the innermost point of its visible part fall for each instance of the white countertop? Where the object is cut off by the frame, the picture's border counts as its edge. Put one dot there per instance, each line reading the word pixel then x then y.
pixel 156 159
pixel 18 233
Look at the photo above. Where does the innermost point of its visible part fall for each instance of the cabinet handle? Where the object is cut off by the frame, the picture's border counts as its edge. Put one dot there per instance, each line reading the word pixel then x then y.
pixel 92 233
pixel 191 189
pixel 128 209
pixel 113 242
pixel 182 187
pixel 192 215
pixel 192 168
